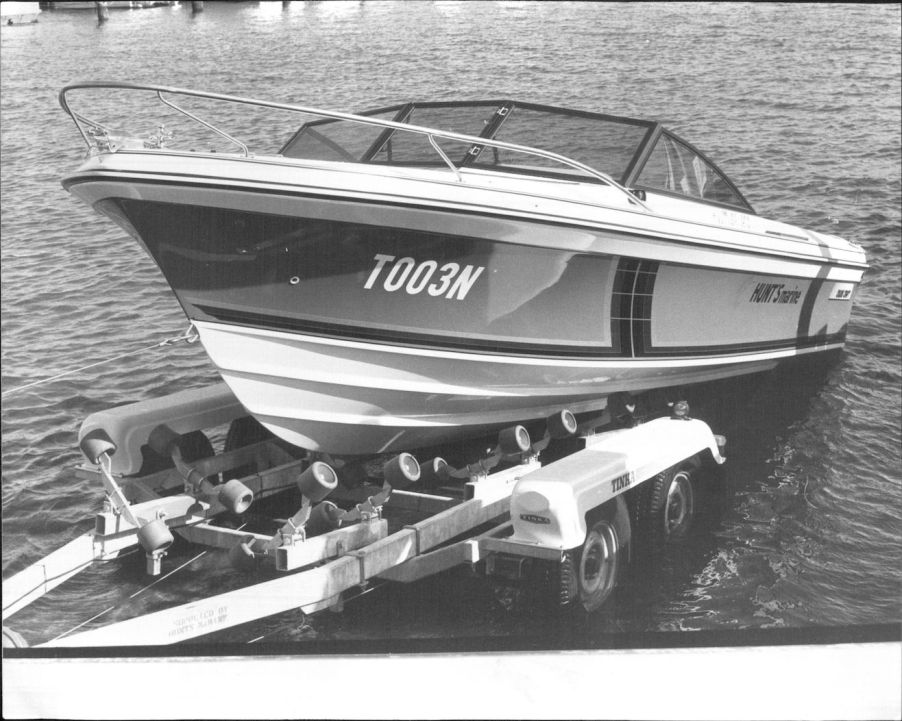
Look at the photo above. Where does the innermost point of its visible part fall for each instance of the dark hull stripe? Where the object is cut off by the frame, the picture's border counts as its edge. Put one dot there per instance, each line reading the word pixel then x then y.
pixel 256 320
pixel 395 337
pixel 804 329
pixel 184 180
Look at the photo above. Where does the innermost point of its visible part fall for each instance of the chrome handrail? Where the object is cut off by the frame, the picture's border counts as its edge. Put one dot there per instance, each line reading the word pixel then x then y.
pixel 430 133
pixel 204 123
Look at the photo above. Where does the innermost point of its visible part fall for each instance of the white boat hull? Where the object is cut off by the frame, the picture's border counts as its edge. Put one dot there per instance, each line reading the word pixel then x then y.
pixel 348 397
pixel 321 293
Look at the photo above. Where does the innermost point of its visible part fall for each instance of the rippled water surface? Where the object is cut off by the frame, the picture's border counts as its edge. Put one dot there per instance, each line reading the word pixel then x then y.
pixel 799 104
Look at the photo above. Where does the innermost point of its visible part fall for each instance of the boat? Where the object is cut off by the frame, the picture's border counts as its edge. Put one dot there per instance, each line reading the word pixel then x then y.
pixel 112 4
pixel 412 274
pixel 19 13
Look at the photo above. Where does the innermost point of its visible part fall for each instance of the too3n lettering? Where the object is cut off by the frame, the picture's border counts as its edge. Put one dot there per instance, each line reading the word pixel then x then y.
pixel 449 280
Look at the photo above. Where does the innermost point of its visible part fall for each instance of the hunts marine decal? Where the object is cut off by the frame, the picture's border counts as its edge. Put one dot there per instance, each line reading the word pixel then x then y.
pixel 774 293
pixel 450 279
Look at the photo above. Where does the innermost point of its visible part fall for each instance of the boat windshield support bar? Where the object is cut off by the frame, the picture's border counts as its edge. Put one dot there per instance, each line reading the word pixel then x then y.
pixel 336 115
pixel 444 157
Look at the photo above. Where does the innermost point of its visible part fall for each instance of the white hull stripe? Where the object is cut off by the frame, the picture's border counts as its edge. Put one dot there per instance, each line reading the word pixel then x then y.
pixel 476 357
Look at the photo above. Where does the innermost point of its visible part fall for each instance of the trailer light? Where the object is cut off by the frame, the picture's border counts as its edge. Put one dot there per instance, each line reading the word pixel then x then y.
pixel 532 502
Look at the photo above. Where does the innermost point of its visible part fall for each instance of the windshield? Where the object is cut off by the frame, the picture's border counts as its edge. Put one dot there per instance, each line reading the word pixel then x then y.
pixel 675 167
pixel 632 152
pixel 606 143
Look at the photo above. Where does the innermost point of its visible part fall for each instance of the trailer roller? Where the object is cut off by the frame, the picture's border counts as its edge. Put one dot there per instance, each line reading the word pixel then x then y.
pixel 233 494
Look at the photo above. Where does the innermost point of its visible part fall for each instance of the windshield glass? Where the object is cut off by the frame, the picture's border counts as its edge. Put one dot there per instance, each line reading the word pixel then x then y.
pixel 613 145
pixel 676 168
pixel 413 148
pixel 605 144
pixel 336 139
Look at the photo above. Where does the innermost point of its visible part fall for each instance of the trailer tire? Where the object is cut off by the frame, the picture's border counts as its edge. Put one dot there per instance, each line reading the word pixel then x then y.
pixel 670 505
pixel 597 566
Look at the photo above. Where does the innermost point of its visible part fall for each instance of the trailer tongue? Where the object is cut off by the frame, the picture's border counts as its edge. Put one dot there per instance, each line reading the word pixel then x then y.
pixel 567 522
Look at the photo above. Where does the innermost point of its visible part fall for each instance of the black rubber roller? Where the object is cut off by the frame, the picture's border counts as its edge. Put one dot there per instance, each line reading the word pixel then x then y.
pixel 434 471
pixel 235 496
pixel 318 481
pixel 324 517
pixel 514 440
pixel 401 471
pixel 561 424
pixel 155 536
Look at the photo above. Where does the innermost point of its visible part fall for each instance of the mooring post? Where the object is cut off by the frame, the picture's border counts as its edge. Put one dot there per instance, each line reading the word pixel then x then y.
pixel 103 12
pixel 197 6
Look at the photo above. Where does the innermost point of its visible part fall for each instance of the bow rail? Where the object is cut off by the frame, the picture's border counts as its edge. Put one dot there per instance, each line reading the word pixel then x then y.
pixel 89 128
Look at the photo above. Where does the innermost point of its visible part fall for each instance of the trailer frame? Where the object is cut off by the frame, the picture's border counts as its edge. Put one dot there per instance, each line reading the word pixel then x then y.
pixel 467 522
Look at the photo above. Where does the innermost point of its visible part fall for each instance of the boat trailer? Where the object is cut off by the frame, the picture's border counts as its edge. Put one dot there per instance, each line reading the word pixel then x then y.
pixel 559 512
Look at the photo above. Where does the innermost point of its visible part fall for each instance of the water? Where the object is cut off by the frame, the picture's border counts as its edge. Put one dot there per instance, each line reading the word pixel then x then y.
pixel 800 105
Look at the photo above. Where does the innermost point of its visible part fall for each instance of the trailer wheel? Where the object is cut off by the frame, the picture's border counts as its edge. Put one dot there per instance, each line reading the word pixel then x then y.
pixel 671 503
pixel 598 565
